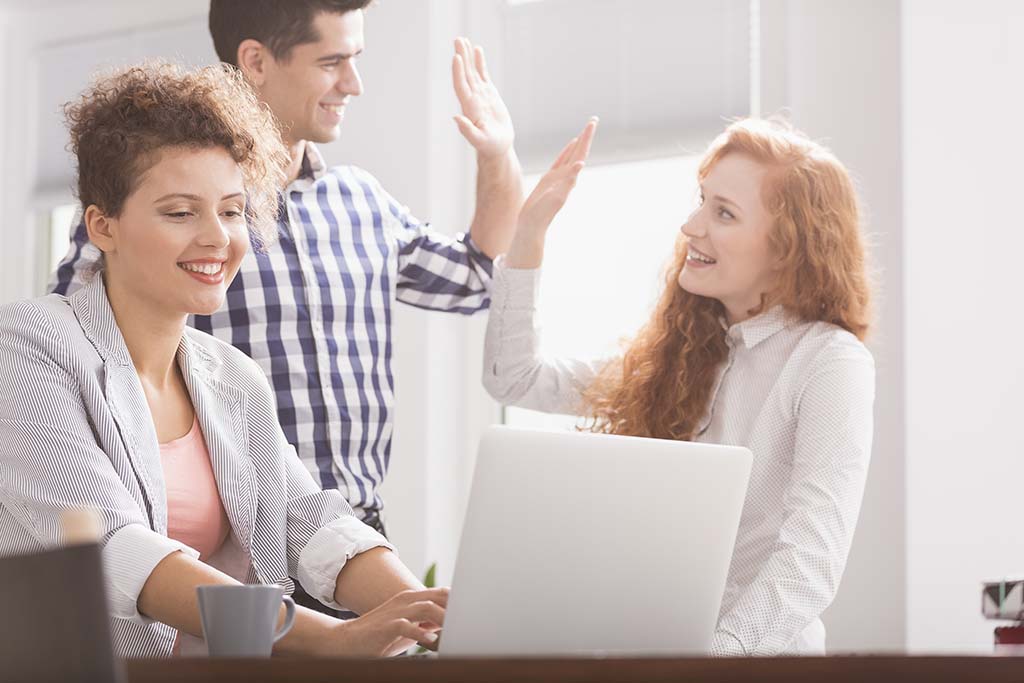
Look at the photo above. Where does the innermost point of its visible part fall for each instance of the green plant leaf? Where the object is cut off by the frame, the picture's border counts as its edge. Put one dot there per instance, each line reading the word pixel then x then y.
pixel 428 581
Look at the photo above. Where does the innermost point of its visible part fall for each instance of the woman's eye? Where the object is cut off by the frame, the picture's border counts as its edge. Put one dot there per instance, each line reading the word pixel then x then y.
pixel 725 213
pixel 233 214
pixel 179 214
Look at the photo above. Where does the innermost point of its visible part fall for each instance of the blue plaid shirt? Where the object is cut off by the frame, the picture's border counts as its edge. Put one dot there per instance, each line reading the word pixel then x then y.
pixel 315 312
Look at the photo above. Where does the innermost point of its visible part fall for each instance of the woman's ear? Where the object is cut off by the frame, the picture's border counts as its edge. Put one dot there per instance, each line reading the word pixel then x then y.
pixel 252 58
pixel 101 229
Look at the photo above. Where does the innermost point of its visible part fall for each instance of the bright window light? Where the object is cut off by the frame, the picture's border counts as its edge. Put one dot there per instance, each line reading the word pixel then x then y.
pixel 60 232
pixel 605 255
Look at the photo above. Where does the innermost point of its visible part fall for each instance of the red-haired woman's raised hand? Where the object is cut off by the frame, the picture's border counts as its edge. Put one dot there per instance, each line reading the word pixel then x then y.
pixel 550 195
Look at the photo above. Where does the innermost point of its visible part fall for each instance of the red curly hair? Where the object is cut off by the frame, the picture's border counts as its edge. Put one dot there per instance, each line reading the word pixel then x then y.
pixel 663 385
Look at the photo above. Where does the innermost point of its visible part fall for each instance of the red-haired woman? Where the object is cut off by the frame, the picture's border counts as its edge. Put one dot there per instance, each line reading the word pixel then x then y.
pixel 755 341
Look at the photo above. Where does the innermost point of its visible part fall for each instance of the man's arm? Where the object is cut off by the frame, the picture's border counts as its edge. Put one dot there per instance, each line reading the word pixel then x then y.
pixel 486 124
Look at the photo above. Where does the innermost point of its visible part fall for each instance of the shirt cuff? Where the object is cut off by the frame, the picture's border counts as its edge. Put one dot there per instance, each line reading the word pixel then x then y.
pixel 327 551
pixel 725 644
pixel 482 259
pixel 515 288
pixel 129 557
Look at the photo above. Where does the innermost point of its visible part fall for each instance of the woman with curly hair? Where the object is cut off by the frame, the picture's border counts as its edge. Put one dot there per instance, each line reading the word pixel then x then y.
pixel 109 401
pixel 755 341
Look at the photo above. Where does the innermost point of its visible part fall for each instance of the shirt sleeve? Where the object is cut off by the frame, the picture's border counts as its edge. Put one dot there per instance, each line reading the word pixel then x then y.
pixel 80 263
pixel 821 504
pixel 435 271
pixel 515 371
pixel 50 461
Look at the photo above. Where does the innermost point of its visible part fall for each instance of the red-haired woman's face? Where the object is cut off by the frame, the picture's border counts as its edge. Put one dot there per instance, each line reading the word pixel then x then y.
pixel 181 234
pixel 729 256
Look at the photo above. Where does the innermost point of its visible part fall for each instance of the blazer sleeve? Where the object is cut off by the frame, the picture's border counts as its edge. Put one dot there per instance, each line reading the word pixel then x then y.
pixel 322 532
pixel 50 460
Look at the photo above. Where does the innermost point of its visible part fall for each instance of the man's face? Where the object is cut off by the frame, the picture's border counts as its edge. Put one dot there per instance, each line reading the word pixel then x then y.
pixel 309 89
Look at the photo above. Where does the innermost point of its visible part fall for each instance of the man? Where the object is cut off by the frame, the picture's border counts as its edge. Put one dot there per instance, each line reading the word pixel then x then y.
pixel 314 308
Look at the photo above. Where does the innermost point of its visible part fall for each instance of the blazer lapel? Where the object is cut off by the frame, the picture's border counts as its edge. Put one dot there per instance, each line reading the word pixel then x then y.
pixel 125 397
pixel 220 409
pixel 128 405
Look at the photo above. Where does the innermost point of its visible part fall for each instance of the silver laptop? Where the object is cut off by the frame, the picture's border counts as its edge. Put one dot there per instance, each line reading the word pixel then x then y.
pixel 589 544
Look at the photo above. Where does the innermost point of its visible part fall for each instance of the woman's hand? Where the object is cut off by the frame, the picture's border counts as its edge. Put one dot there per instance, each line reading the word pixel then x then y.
pixel 539 209
pixel 408 618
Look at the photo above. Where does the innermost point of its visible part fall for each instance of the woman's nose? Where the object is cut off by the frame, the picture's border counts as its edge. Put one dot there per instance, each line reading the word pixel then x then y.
pixel 693 226
pixel 214 233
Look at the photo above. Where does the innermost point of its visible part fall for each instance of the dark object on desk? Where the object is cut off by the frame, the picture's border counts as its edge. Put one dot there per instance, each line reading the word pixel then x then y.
pixel 55 625
pixel 1003 599
pixel 1009 640
pixel 1010 635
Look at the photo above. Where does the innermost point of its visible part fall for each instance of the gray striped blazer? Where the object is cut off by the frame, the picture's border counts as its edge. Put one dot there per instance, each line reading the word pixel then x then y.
pixel 75 430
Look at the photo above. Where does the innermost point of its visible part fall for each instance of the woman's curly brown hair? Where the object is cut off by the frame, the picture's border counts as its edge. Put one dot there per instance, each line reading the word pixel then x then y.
pixel 124 118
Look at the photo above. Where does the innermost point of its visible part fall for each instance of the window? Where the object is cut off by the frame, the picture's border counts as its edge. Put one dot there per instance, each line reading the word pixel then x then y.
pixel 606 252
pixel 60 233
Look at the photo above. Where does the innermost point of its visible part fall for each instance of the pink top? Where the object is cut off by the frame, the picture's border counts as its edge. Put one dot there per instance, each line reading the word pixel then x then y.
pixel 195 514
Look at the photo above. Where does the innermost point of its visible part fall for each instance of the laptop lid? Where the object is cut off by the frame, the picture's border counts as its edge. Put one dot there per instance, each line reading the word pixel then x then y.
pixel 578 543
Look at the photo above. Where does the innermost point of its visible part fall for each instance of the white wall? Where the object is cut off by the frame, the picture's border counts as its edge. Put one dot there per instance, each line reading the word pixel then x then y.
pixel 919 98
pixel 964 236
pixel 28 30
pixel 834 65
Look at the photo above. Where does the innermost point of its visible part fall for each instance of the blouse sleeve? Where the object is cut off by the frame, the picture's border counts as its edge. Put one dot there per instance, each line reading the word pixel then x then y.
pixel 515 371
pixel 323 532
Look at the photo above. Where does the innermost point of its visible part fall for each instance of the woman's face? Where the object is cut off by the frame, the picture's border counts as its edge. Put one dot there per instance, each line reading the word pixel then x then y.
pixel 729 257
pixel 181 234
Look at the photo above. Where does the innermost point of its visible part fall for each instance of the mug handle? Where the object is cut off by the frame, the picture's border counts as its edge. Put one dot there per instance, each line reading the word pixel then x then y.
pixel 289 617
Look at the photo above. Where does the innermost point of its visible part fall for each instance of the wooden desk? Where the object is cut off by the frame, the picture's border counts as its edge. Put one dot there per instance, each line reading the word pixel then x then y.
pixel 412 670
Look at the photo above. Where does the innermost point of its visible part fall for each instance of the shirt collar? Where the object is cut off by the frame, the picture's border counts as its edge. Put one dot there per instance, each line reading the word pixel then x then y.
pixel 761 327
pixel 313 166
pixel 92 308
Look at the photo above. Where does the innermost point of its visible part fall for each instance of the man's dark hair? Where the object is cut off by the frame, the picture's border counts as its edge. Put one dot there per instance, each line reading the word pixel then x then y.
pixel 278 24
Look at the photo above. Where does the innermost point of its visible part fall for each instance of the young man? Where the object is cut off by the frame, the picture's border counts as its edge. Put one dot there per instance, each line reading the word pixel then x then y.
pixel 314 308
